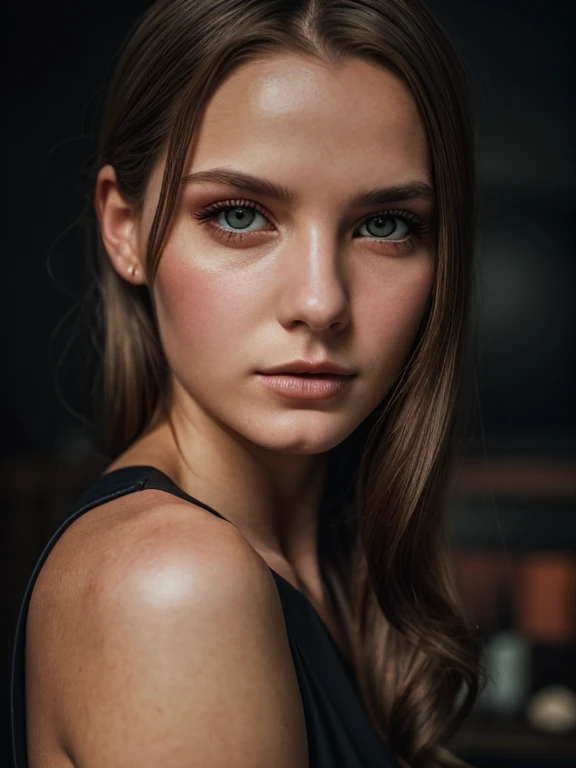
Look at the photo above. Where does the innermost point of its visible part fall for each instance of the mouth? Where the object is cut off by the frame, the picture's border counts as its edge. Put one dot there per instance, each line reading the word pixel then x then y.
pixel 313 375
pixel 310 375
pixel 305 385
pixel 310 368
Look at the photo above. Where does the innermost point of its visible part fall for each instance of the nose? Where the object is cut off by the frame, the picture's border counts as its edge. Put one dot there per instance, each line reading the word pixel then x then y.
pixel 314 283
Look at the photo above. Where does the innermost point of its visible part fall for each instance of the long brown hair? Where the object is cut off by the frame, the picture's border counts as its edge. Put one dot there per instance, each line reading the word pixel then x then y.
pixel 384 541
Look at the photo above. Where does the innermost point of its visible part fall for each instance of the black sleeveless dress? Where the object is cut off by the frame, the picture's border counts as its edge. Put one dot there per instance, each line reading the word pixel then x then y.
pixel 338 730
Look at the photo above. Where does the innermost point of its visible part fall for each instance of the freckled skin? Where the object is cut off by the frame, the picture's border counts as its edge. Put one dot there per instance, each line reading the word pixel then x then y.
pixel 303 287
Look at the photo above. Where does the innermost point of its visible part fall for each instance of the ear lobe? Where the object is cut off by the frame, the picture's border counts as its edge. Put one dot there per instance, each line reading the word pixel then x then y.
pixel 118 220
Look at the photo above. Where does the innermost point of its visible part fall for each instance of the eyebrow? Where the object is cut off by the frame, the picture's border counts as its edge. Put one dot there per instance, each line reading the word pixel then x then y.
pixel 407 191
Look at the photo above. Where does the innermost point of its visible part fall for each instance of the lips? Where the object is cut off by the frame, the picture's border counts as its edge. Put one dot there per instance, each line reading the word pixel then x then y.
pixel 305 385
pixel 309 368
pixel 306 373
pixel 309 375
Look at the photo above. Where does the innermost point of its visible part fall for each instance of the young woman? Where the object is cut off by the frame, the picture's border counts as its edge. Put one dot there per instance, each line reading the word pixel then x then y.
pixel 285 200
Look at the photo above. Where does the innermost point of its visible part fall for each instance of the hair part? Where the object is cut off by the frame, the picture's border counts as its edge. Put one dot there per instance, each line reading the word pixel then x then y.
pixel 385 547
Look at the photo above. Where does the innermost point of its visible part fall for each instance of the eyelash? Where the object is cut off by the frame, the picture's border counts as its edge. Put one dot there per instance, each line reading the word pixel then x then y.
pixel 418 229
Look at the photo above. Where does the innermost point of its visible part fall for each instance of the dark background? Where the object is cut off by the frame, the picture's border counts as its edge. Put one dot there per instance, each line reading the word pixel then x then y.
pixel 519 56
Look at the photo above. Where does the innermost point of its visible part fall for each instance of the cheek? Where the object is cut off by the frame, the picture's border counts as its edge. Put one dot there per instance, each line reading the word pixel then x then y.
pixel 201 313
pixel 391 316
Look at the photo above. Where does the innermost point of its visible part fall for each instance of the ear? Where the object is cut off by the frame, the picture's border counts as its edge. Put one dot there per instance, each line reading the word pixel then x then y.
pixel 119 227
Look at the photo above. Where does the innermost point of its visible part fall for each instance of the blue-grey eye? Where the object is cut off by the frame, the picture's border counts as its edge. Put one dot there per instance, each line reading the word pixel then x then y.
pixel 239 217
pixel 383 226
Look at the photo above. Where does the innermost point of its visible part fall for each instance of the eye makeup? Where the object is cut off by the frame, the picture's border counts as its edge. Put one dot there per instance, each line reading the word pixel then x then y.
pixel 417 229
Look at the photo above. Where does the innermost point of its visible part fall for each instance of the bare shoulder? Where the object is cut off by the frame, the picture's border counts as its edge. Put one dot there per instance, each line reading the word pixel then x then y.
pixel 160 640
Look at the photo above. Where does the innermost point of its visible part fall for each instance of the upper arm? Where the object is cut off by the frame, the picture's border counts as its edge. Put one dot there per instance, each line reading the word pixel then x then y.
pixel 176 654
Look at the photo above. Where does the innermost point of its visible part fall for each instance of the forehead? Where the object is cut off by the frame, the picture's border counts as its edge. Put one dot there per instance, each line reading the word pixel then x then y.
pixel 321 131
pixel 289 111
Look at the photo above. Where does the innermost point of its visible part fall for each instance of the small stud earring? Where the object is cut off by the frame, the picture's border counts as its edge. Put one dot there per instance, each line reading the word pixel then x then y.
pixel 131 269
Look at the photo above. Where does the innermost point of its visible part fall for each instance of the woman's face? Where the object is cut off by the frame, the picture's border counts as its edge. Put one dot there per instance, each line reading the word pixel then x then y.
pixel 316 276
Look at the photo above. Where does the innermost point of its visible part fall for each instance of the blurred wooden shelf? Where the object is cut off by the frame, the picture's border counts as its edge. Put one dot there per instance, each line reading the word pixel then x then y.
pixel 522 478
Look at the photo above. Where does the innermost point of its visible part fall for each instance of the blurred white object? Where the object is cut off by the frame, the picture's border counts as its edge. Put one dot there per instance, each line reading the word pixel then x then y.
pixel 553 709
pixel 509 663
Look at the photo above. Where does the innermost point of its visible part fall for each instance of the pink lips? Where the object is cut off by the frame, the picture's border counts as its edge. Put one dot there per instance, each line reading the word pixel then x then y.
pixel 309 366
pixel 307 387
